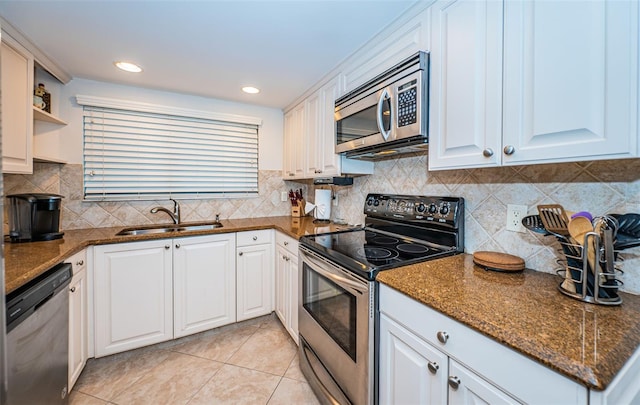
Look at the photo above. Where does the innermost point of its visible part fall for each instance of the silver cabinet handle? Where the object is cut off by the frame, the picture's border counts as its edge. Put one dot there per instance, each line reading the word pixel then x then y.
pixel 291 174
pixel 433 367
pixel 442 337
pixel 255 238
pixel 177 246
pixel 509 149
pixel 487 152
pixel 79 262
pixel 454 382
pixel 286 243
pixel 240 254
pixel 318 171
pixel 72 289
pixel 167 246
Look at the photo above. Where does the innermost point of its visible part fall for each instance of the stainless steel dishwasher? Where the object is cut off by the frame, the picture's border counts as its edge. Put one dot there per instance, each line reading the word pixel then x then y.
pixel 37 339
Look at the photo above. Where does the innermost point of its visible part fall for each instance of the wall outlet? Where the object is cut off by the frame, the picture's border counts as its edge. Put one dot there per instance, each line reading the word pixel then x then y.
pixel 284 196
pixel 515 213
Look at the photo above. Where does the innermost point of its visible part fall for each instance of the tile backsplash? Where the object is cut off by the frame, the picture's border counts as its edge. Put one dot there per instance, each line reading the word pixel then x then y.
pixel 601 187
pixel 78 214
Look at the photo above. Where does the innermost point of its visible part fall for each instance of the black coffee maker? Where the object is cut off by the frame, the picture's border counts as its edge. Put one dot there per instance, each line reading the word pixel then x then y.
pixel 34 217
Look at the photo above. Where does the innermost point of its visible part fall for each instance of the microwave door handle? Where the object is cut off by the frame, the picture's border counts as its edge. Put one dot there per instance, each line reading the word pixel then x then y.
pixel 384 95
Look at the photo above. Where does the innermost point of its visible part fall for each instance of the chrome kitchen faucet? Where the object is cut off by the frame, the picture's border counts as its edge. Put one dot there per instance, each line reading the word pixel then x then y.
pixel 175 215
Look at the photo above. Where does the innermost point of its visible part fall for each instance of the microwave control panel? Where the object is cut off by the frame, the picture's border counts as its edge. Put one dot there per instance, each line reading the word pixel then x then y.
pixel 408 103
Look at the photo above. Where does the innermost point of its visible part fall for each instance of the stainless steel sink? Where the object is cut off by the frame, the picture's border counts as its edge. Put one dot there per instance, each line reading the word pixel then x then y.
pixel 171 228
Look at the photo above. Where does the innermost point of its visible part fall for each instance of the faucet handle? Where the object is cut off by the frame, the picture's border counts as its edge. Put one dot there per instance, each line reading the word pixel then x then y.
pixel 217 217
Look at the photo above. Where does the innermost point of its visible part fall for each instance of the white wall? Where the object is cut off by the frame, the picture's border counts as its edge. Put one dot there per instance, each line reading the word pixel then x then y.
pixel 270 133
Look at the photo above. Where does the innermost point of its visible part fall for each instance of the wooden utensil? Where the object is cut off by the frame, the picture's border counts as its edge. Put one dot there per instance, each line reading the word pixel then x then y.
pixel 554 218
pixel 555 221
pixel 578 228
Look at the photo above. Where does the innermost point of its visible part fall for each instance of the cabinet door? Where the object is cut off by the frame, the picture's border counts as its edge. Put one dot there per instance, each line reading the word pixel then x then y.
pixel 465 128
pixel 133 295
pixel 281 285
pixel 313 123
pixel 411 370
pixel 78 341
pixel 204 283
pixel 254 281
pixel 467 388
pixel 17 111
pixel 322 159
pixel 293 165
pixel 292 302
pixel 570 80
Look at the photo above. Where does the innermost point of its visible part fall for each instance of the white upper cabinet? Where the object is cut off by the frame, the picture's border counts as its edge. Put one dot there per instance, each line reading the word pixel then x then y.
pixel 525 82
pixel 466 84
pixel 403 38
pixel 294 133
pixel 321 140
pixel 310 140
pixel 17 110
pixel 570 80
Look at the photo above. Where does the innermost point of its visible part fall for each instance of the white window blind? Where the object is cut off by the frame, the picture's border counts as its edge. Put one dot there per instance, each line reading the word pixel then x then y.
pixel 132 154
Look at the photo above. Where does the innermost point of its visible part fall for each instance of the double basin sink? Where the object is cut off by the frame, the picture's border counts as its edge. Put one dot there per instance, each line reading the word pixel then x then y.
pixel 169 228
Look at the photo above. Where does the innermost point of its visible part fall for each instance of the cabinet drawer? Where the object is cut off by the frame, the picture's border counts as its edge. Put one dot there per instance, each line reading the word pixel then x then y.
pixel 287 242
pixel 249 238
pixel 483 355
pixel 78 261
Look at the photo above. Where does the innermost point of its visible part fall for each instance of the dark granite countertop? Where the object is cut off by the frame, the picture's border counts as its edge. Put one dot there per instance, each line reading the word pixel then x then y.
pixel 25 261
pixel 525 311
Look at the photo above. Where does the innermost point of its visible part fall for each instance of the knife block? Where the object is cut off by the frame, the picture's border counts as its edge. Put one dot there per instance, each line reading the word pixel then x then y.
pixel 298 210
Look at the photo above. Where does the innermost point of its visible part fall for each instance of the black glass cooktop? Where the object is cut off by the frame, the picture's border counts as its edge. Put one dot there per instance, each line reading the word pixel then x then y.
pixel 367 251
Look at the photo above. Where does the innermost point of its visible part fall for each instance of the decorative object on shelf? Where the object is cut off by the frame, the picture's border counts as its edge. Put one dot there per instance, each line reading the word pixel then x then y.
pixel 42 98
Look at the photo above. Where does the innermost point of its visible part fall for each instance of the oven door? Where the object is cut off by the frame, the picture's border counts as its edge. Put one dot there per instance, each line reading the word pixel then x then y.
pixel 335 322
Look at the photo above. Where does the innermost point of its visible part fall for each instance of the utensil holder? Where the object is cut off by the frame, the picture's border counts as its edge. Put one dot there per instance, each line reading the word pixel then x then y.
pixel 592 268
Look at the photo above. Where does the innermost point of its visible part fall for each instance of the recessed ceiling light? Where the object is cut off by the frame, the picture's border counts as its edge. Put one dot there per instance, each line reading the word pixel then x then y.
pixel 128 67
pixel 250 90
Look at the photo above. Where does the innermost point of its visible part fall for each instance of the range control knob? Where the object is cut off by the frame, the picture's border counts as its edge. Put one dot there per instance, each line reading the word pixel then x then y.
pixel 376 203
pixel 421 208
pixel 444 210
pixel 432 208
pixel 370 201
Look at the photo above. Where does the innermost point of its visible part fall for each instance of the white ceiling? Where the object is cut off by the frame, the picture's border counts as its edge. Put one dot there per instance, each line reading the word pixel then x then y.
pixel 208 48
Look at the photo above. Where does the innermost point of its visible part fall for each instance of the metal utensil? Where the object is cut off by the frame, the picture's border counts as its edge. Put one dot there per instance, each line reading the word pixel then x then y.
pixel 534 224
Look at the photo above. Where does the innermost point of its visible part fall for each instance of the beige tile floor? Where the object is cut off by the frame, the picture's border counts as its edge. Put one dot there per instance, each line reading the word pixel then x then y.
pixel 251 362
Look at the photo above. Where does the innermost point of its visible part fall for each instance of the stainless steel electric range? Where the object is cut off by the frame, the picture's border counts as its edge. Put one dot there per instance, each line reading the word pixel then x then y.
pixel 337 305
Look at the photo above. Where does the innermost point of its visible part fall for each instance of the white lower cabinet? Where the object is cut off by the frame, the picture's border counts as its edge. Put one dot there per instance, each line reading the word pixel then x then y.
pixel 204 283
pixel 287 283
pixel 411 370
pixel 78 317
pixel 254 274
pixel 149 292
pixel 133 286
pixel 427 357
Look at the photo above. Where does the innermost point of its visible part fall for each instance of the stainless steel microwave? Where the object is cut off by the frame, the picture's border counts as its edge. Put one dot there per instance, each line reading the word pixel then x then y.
pixel 387 115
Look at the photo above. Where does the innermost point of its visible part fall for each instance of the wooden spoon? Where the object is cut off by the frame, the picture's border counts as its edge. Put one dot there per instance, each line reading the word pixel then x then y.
pixel 578 228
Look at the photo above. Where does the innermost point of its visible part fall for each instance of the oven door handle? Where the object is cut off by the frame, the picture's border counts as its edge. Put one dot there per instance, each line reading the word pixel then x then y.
pixel 354 286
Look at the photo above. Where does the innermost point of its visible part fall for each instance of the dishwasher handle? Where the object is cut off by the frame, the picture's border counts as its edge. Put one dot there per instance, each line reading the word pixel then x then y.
pixel 29 298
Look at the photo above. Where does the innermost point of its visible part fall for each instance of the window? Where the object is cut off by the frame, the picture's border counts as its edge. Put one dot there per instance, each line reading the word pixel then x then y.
pixel 142 151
